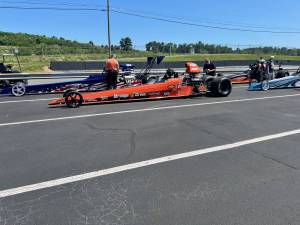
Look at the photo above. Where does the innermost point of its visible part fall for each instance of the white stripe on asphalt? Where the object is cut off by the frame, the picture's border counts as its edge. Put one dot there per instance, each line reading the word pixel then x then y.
pixel 151 162
pixel 236 87
pixel 142 110
pixel 28 100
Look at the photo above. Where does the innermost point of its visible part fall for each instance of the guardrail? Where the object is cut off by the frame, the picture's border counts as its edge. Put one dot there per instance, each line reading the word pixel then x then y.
pixel 99 65
pixel 61 75
pixel 85 74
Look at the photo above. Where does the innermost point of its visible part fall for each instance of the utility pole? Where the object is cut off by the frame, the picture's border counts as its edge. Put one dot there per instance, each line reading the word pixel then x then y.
pixel 108 28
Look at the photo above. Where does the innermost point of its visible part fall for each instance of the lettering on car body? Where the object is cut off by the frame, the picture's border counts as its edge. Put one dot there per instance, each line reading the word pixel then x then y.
pixel 124 96
pixel 154 94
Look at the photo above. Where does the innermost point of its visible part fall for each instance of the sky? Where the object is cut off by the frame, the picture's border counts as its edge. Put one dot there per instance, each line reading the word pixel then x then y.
pixel 87 26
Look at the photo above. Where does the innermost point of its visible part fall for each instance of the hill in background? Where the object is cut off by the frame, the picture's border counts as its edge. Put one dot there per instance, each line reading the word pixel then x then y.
pixel 29 44
pixel 30 40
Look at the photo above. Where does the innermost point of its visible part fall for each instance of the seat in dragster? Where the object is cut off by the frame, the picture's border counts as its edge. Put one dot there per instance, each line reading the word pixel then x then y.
pixel 184 86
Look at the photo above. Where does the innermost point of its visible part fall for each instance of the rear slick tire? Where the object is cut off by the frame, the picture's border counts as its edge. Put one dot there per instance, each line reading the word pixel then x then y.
pixel 220 87
pixel 225 88
pixel 73 99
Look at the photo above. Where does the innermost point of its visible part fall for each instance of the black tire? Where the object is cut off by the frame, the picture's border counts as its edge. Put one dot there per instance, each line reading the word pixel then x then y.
pixel 73 99
pixel 209 80
pixel 212 87
pixel 220 87
pixel 152 80
pixel 225 88
pixel 68 91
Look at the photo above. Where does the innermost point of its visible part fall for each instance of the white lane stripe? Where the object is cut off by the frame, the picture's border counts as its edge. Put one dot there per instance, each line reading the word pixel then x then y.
pixel 142 110
pixel 237 87
pixel 151 162
pixel 28 100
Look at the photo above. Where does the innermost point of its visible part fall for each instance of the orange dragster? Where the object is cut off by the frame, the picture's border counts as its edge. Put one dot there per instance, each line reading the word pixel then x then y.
pixel 188 85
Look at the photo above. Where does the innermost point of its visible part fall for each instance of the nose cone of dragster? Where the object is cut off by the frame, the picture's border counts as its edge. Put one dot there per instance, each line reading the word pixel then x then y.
pixel 57 102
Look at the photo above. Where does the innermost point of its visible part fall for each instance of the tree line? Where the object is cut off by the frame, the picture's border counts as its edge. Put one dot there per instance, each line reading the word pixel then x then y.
pixel 29 44
pixel 202 48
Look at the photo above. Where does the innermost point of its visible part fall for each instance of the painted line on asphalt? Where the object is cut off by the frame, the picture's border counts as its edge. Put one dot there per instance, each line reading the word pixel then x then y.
pixel 28 100
pixel 237 87
pixel 147 163
pixel 143 110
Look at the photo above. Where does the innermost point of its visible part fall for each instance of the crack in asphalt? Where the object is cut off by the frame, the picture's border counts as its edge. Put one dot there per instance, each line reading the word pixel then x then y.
pixel 191 124
pixel 274 160
pixel 88 203
pixel 132 140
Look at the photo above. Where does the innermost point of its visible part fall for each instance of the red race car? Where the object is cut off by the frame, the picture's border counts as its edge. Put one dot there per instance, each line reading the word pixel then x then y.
pixel 191 84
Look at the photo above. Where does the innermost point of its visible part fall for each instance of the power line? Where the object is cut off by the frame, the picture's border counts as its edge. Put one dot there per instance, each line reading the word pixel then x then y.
pixel 52 8
pixel 205 26
pixel 150 17
pixel 52 3
pixel 210 21
pixel 231 24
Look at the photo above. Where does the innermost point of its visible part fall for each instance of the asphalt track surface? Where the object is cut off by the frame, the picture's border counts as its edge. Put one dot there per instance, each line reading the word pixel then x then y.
pixel 257 182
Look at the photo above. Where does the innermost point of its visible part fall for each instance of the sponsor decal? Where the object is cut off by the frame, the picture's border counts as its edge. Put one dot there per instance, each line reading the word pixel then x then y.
pixel 202 88
pixel 154 94
pixel 124 96
pixel 121 96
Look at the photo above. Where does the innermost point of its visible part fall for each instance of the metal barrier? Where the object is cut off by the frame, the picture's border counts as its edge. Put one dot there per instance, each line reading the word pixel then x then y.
pixel 99 65
pixel 85 74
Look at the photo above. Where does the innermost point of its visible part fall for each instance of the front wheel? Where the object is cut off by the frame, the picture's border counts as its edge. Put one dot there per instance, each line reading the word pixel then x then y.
pixel 265 85
pixel 68 91
pixel 73 99
pixel 18 89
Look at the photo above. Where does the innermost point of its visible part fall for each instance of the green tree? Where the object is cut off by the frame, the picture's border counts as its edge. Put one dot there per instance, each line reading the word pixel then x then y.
pixel 126 44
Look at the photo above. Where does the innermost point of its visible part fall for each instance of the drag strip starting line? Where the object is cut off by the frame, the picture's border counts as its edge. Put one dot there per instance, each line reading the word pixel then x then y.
pixel 147 163
pixel 143 110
